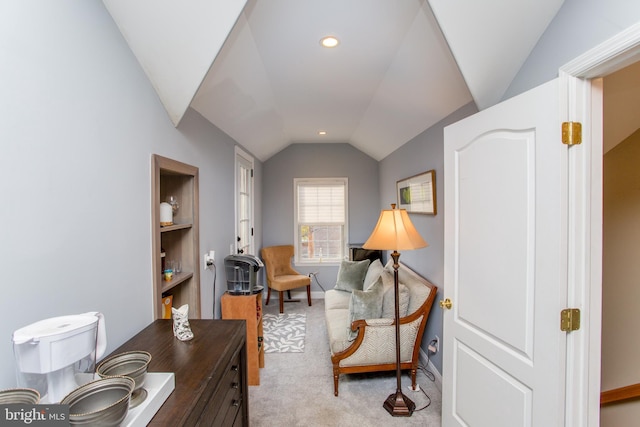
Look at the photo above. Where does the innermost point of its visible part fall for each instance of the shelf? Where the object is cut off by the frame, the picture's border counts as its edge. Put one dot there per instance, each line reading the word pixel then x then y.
pixel 177 279
pixel 179 241
pixel 175 227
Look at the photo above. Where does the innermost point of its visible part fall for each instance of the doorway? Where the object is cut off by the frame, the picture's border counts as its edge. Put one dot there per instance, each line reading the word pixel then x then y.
pixel 582 82
pixel 244 203
pixel 621 237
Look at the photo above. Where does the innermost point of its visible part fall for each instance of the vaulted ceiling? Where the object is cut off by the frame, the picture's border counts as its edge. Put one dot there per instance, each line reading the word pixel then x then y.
pixel 400 66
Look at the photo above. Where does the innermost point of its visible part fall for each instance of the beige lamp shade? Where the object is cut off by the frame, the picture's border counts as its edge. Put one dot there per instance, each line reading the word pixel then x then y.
pixel 394 232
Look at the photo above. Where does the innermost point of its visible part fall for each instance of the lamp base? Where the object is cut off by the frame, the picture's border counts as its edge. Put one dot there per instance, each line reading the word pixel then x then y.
pixel 399 405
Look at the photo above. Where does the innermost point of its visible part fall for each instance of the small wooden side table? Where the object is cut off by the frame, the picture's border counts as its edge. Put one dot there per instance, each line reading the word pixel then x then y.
pixel 249 308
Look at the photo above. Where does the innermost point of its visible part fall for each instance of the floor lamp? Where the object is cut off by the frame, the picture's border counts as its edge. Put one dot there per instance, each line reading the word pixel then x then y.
pixel 394 232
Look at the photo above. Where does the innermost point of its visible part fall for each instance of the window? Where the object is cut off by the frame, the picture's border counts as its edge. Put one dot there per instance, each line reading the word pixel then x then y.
pixel 320 219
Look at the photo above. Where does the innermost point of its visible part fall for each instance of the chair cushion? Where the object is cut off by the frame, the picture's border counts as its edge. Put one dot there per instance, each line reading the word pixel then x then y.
pixel 351 275
pixel 289 281
pixel 336 299
pixel 365 305
pixel 336 331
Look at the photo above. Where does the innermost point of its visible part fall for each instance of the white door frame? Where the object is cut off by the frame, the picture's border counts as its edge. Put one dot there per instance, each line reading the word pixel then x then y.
pixel 581 100
pixel 241 153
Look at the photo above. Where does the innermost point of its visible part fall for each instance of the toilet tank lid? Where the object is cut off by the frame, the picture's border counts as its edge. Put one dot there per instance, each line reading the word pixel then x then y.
pixel 247 259
pixel 55 328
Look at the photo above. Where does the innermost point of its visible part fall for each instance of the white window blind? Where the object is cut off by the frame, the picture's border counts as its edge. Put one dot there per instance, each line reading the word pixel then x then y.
pixel 323 203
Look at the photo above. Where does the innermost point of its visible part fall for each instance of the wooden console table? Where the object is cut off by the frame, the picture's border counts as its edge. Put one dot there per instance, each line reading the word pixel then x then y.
pixel 210 372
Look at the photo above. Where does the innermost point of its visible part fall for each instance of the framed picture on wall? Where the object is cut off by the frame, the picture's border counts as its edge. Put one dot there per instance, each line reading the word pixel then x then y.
pixel 417 194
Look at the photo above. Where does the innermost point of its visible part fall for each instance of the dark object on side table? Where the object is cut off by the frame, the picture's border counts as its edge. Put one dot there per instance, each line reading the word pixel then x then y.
pixel 358 253
pixel 243 274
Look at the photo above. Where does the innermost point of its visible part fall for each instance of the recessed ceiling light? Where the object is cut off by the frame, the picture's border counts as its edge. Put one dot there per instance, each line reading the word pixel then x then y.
pixel 329 41
pixel 322 132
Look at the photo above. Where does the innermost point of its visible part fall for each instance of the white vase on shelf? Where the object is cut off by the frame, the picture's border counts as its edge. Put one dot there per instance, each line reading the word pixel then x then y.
pixel 166 214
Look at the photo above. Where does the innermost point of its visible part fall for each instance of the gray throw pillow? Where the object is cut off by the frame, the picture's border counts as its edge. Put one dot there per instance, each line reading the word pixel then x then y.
pixel 365 305
pixel 373 273
pixel 351 275
pixel 388 302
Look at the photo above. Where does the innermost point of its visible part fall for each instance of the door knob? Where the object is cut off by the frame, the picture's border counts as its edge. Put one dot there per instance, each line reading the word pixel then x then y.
pixel 446 304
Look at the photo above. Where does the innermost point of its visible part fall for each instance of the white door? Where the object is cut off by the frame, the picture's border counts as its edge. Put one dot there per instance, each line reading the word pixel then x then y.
pixel 505 265
pixel 244 203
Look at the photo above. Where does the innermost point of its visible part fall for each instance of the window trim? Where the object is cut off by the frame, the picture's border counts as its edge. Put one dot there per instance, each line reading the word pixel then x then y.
pixel 326 180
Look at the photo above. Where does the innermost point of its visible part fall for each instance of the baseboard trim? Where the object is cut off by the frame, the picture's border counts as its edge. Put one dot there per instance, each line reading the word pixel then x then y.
pixel 426 362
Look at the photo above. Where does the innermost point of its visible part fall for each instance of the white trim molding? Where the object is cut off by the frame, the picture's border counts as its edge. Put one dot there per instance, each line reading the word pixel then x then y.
pixel 612 55
pixel 581 101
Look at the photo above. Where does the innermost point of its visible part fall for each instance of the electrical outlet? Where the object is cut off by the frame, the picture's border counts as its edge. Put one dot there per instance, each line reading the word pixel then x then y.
pixel 434 345
pixel 212 255
pixel 208 260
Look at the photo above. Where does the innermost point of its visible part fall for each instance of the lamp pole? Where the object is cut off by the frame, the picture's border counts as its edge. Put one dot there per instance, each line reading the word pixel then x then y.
pixel 397 404
pixel 394 231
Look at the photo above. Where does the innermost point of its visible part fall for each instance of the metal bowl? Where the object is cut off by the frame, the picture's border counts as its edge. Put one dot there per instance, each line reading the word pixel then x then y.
pixel 103 402
pixel 25 396
pixel 131 364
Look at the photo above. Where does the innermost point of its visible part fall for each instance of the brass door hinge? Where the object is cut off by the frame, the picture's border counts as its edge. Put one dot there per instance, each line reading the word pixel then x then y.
pixel 571 133
pixel 570 319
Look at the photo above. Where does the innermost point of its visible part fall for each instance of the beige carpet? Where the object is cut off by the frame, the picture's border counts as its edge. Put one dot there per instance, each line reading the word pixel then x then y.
pixel 296 389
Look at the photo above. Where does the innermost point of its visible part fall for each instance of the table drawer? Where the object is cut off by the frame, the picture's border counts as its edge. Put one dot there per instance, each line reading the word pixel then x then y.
pixel 223 406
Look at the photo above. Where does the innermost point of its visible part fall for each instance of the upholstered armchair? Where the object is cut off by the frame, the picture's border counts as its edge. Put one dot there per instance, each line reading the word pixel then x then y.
pixel 280 274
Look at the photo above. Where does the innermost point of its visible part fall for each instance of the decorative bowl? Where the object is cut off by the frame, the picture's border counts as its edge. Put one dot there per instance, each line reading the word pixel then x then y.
pixel 25 396
pixel 103 402
pixel 131 364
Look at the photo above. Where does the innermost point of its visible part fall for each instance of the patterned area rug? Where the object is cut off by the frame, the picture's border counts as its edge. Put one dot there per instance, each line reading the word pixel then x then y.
pixel 284 333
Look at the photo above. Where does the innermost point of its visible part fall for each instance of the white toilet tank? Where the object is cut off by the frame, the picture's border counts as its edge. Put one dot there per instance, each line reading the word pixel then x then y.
pixel 57 355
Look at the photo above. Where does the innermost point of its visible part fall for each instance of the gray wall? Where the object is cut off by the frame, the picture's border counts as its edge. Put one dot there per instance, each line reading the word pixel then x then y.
pixel 424 152
pixel 579 26
pixel 79 123
pixel 318 161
